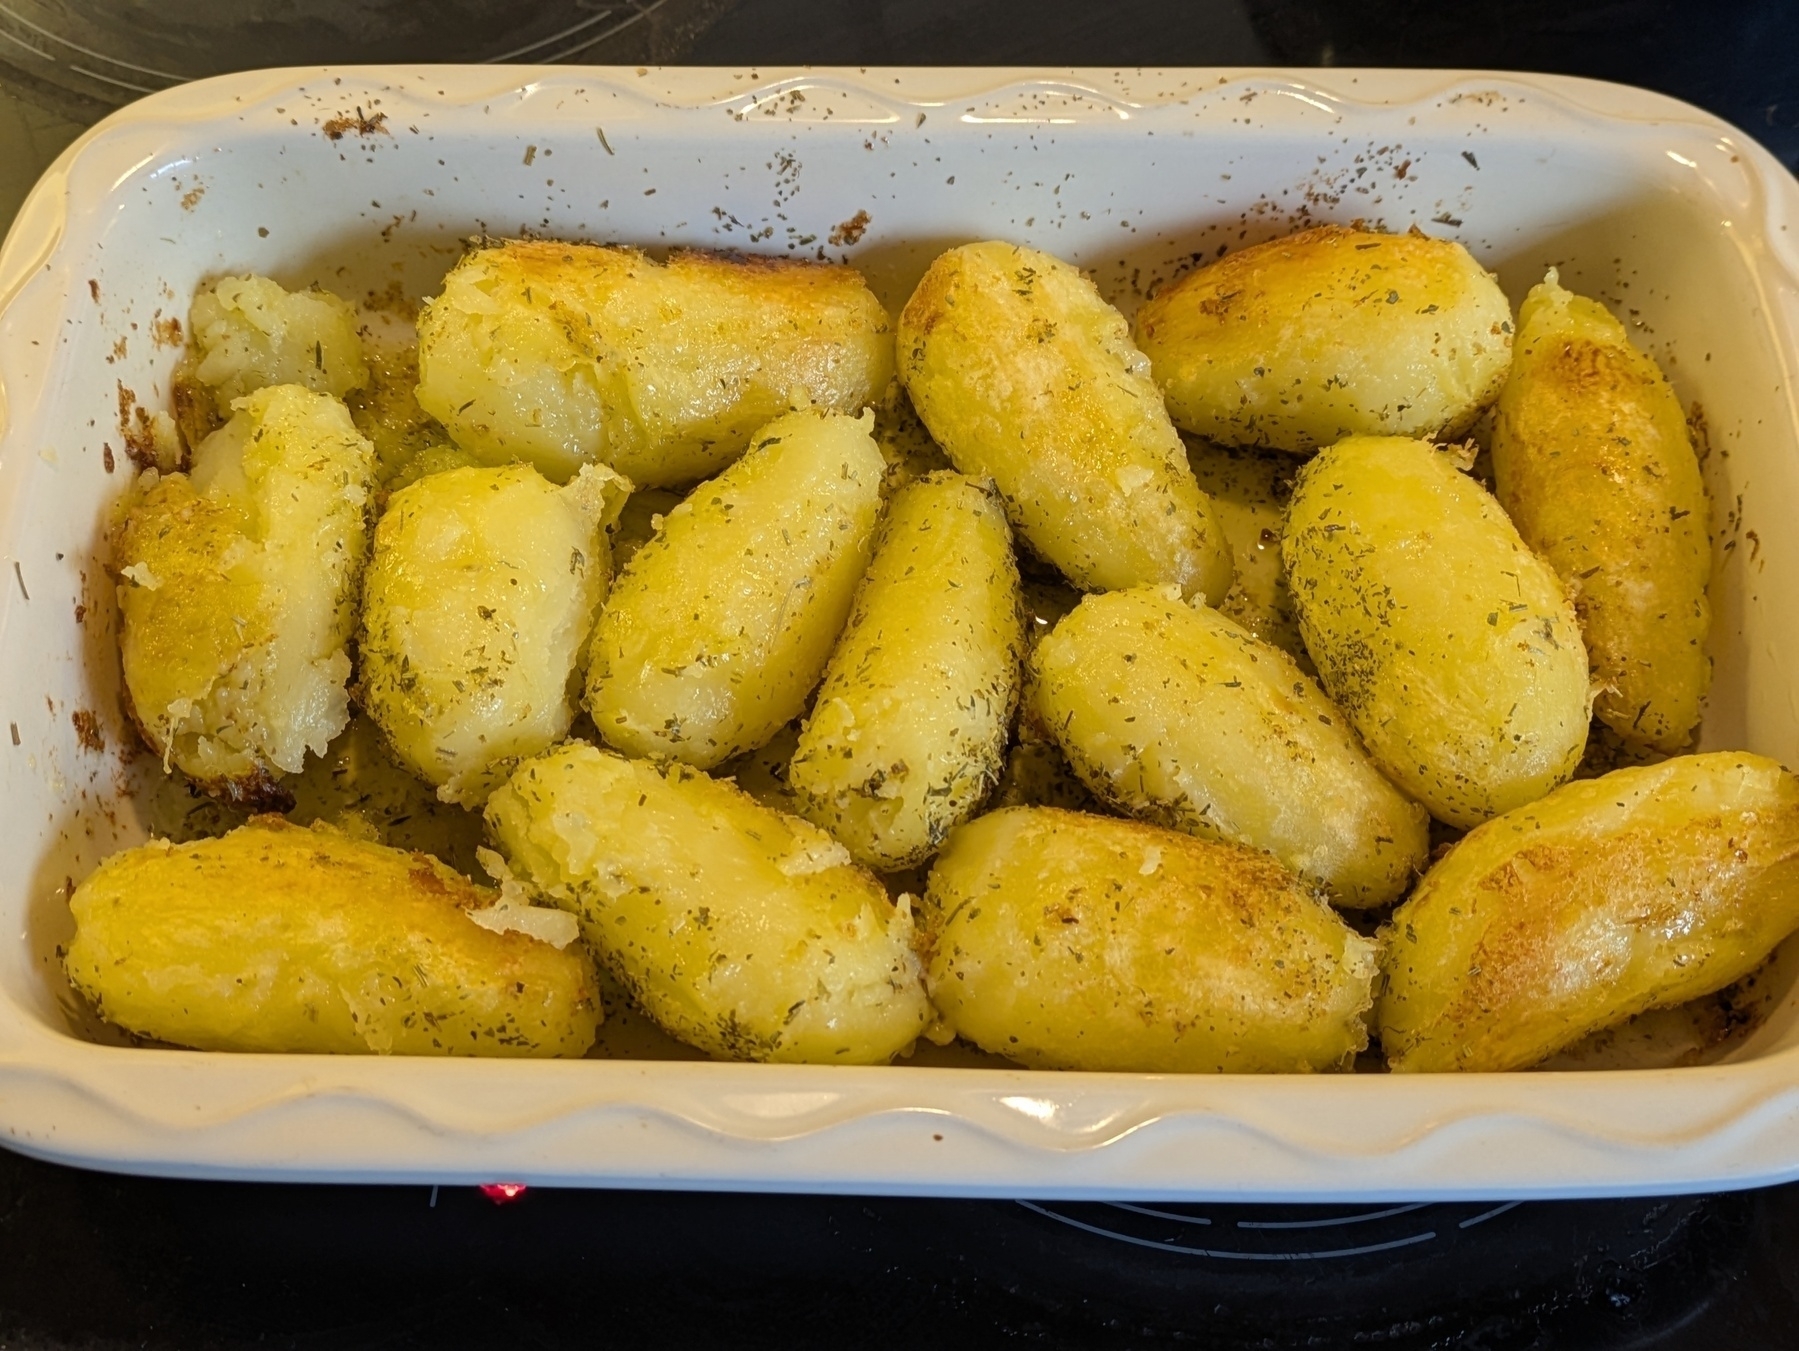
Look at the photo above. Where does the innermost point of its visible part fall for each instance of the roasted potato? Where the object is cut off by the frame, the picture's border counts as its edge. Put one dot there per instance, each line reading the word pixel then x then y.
pixel 1176 714
pixel 741 931
pixel 1332 332
pixel 719 627
pixel 1593 461
pixel 481 594
pixel 1249 491
pixel 1642 889
pixel 249 333
pixel 237 589
pixel 1024 375
pixel 908 733
pixel 1068 941
pixel 1452 647
pixel 571 354
pixel 279 938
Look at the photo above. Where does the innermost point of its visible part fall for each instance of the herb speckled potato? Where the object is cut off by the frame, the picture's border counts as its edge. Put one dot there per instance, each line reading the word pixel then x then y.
pixel 1452 647
pixel 1332 332
pixel 908 733
pixel 280 938
pixel 237 591
pixel 1025 375
pixel 250 333
pixel 567 354
pixel 720 626
pixel 1178 715
pixel 742 931
pixel 1068 941
pixel 481 594
pixel 1642 889
pixel 1593 461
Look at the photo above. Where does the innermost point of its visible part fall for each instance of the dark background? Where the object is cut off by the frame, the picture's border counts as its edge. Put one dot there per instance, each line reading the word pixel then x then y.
pixel 104 1263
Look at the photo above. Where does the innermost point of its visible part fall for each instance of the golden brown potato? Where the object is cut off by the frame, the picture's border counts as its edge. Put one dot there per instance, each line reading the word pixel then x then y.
pixel 1332 332
pixel 1026 376
pixel 1452 647
pixel 1249 491
pixel 908 733
pixel 1593 461
pixel 1642 889
pixel 571 354
pixel 719 627
pixel 279 938
pixel 741 931
pixel 238 591
pixel 1175 714
pixel 481 595
pixel 1068 941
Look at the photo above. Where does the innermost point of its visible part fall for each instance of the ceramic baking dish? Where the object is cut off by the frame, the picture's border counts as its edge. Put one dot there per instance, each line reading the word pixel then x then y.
pixel 364 180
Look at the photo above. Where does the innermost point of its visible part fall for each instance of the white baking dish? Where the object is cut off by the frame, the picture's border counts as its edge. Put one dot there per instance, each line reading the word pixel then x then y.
pixel 360 179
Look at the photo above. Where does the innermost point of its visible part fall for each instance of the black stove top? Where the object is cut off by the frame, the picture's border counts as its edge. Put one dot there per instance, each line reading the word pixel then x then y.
pixel 104 1263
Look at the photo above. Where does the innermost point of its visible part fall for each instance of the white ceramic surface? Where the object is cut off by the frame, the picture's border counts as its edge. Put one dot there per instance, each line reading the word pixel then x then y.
pixel 361 179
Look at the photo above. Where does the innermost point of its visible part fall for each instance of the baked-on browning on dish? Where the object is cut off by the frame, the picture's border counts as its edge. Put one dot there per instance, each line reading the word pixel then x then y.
pixel 1331 332
pixel 749 934
pixel 1644 888
pixel 1593 461
pixel 1068 941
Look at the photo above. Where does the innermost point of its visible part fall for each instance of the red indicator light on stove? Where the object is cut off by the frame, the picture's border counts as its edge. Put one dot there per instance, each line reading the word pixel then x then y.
pixel 502 1193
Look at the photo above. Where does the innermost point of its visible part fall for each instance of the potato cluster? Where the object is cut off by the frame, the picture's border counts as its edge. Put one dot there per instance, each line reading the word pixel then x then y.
pixel 827 681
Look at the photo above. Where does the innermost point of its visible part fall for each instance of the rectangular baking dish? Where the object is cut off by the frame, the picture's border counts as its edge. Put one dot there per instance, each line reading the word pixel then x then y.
pixel 364 180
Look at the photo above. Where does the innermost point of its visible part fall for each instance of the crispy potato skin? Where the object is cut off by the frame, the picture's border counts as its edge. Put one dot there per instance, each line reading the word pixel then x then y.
pixel 1452 647
pixel 1593 461
pixel 1052 938
pixel 481 595
pixel 279 938
pixel 719 627
pixel 250 333
pixel 238 592
pixel 1024 375
pixel 742 931
pixel 1642 889
pixel 1332 332
pixel 1177 715
pixel 565 354
pixel 908 733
